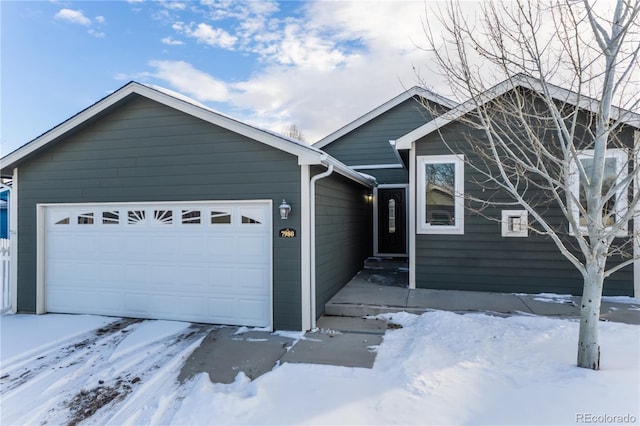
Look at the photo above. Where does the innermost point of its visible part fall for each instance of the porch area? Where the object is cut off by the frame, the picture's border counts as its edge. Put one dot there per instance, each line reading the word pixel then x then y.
pixel 382 286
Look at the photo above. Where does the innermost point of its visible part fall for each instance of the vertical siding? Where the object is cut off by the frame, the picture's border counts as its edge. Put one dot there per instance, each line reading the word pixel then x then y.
pixel 343 234
pixel 369 143
pixel 144 151
pixel 482 259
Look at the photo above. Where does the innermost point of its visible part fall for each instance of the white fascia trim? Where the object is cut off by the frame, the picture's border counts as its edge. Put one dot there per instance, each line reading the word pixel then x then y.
pixel 407 140
pixel 68 125
pixel 305 247
pixel 531 83
pixel 412 218
pixel 431 96
pixel 13 241
pixel 349 172
pixel 213 117
pixel 150 203
pixel 310 154
pixel 377 166
pixel 271 291
pixel 395 151
pixel 41 305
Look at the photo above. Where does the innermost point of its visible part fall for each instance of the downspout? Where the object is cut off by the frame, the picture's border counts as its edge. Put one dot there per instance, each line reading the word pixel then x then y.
pixel 312 196
pixel 13 240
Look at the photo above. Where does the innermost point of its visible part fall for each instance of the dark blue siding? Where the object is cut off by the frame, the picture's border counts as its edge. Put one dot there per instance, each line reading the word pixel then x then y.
pixel 144 151
pixel 343 234
pixel 482 259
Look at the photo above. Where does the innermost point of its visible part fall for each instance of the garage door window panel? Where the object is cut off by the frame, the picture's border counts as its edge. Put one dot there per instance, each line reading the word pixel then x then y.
pixel 220 218
pixel 111 217
pixel 85 219
pixel 191 217
pixel 163 217
pixel 63 221
pixel 136 217
pixel 252 216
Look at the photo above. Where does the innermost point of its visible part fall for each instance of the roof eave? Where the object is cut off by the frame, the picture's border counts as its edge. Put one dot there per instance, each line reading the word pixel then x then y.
pixel 408 94
pixel 9 161
pixel 305 154
pixel 558 93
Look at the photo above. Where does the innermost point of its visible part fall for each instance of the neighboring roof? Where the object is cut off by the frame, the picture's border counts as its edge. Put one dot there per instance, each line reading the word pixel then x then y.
pixel 500 89
pixel 408 94
pixel 306 154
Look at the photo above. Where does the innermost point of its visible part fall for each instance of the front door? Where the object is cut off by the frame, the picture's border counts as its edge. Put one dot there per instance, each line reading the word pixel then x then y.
pixel 392 229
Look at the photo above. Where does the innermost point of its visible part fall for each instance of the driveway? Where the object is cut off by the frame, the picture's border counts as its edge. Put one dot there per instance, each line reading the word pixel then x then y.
pixel 436 368
pixel 63 374
pixel 67 381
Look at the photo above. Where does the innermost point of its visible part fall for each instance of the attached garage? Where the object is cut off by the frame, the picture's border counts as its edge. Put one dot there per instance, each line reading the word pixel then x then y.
pixel 199 261
pixel 150 205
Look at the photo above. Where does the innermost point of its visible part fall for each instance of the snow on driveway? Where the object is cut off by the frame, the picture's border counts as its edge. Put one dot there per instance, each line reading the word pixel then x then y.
pixel 438 368
pixel 64 375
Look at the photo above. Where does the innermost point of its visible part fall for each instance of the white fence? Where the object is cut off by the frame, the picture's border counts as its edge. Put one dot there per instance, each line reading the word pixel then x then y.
pixel 5 276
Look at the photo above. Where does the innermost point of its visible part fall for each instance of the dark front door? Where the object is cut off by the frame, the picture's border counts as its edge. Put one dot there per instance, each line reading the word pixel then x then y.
pixel 392 229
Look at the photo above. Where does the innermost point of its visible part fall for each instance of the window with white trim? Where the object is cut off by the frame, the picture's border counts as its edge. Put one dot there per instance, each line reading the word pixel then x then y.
pixel 615 170
pixel 440 194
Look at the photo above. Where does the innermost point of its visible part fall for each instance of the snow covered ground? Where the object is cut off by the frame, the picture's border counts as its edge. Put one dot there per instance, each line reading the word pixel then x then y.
pixel 439 368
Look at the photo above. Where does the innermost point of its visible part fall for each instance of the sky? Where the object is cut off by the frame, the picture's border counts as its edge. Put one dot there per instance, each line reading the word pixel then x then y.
pixel 315 64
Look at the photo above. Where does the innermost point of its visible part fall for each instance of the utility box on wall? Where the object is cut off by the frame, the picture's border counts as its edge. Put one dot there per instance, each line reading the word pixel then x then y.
pixel 515 223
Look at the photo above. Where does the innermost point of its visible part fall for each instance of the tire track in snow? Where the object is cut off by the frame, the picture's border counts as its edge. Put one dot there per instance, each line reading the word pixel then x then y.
pixel 17 373
pixel 76 380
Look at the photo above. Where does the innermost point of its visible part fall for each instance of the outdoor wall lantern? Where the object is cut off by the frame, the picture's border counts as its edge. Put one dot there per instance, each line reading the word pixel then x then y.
pixel 285 209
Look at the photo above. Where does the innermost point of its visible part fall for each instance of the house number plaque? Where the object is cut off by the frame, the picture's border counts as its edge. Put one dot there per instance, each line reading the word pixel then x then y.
pixel 287 233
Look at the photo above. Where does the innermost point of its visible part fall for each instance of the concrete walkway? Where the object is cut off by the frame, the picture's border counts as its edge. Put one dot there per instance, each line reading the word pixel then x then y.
pixel 344 337
pixel 227 351
pixel 382 287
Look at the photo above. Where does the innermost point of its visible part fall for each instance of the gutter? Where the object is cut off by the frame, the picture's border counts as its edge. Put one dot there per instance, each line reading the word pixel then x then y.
pixel 312 184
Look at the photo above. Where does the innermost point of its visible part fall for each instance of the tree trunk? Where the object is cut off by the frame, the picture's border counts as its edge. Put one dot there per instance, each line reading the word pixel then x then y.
pixel 588 347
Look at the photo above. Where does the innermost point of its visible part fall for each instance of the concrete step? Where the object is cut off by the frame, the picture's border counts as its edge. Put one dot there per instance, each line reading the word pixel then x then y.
pixel 385 263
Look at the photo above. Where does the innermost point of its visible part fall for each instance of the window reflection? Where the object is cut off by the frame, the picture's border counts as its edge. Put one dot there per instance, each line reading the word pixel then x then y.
pixel 440 193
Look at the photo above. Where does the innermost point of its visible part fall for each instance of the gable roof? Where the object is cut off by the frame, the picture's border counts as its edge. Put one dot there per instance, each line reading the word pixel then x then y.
pixel 500 89
pixel 408 94
pixel 306 154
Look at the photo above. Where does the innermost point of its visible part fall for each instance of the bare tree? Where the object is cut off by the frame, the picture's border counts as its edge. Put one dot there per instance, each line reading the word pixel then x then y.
pixel 571 145
pixel 292 131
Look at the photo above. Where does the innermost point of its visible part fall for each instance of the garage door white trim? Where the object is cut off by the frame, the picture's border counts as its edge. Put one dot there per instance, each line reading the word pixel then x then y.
pixel 248 223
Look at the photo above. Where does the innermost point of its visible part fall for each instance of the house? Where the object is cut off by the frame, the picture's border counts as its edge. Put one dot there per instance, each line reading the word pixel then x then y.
pixel 149 205
pixel 453 247
pixel 367 145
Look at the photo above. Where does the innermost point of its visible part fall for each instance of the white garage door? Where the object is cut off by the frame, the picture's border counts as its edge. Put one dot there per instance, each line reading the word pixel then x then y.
pixel 203 262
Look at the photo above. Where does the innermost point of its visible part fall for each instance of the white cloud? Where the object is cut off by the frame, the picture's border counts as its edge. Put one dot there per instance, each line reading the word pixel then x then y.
pixel 99 19
pixel 186 79
pixel 205 33
pixel 172 42
pixel 173 5
pixel 334 64
pixel 306 50
pixel 73 16
pixel 97 34
pixel 320 70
